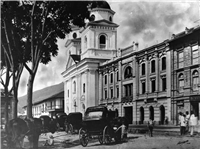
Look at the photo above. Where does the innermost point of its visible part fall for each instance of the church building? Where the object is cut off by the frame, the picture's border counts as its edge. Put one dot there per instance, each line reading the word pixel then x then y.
pixel 86 49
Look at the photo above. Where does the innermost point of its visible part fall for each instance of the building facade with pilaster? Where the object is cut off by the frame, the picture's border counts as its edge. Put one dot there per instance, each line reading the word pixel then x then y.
pixel 185 72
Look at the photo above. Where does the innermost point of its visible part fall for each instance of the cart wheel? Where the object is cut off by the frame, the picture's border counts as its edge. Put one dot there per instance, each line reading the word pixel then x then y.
pixel 83 137
pixel 66 128
pixel 106 136
pixel 100 138
pixel 118 136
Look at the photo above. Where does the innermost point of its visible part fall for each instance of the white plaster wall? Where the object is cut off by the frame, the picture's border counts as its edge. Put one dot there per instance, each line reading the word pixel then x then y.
pixel 99 15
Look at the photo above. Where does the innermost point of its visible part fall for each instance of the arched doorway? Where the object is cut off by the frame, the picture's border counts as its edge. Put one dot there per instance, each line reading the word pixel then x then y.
pixel 151 113
pixel 141 115
pixel 162 115
pixel 129 113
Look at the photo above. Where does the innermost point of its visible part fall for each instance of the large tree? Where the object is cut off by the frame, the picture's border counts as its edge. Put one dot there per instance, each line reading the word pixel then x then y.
pixel 13 50
pixel 43 22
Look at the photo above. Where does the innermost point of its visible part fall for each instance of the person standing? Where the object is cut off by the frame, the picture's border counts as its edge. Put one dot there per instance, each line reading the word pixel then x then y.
pixel 183 124
pixel 187 119
pixel 150 126
pixel 193 123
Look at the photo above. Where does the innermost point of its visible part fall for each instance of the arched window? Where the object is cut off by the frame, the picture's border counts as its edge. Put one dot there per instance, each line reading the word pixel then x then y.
pixel 143 69
pixel 110 19
pixel 74 35
pixel 181 82
pixel 83 87
pixel 162 115
pixel 85 42
pixel 164 63
pixel 128 72
pixel 153 65
pixel 195 80
pixel 141 115
pixel 74 84
pixel 151 113
pixel 102 42
pixel 92 17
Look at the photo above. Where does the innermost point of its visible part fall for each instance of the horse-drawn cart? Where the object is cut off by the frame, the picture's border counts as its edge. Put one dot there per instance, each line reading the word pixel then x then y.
pixel 103 124
pixel 73 122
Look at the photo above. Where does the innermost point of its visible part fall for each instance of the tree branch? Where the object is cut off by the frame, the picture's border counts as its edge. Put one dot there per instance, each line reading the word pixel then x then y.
pixel 32 32
pixel 47 37
pixel 27 68
pixel 7 55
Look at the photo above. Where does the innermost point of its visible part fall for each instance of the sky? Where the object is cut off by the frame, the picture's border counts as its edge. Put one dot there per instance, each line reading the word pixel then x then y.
pixel 145 22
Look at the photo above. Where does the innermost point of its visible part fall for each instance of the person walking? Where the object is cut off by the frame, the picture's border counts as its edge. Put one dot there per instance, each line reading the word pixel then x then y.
pixel 150 126
pixel 193 123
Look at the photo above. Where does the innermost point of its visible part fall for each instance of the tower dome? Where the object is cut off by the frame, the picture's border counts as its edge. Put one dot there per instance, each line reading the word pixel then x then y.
pixel 100 4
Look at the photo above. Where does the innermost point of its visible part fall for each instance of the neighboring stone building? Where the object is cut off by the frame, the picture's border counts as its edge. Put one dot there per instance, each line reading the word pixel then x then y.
pixel 185 70
pixel 135 83
pixel 90 46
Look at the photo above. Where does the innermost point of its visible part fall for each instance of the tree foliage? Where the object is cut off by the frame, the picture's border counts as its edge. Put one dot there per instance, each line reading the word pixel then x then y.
pixel 30 31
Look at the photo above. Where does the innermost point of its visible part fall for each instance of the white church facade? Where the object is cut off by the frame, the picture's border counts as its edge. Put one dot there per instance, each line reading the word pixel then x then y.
pixel 86 50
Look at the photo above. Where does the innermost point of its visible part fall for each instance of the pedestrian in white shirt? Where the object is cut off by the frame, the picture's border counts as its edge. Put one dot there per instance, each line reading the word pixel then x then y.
pixel 193 123
pixel 183 124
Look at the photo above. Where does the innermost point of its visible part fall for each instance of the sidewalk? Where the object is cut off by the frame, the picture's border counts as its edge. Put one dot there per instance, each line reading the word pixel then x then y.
pixel 158 129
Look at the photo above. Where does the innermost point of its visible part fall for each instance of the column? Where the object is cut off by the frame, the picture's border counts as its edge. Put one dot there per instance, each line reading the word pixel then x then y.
pixel 100 86
pixel 120 88
pixel 147 73
pixel 157 71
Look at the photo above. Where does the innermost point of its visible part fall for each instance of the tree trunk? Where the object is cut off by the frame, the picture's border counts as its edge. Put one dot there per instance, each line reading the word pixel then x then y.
pixel 14 100
pixel 14 103
pixel 6 109
pixel 30 96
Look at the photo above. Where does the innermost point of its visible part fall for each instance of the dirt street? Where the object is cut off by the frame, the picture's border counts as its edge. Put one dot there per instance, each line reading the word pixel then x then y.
pixel 135 141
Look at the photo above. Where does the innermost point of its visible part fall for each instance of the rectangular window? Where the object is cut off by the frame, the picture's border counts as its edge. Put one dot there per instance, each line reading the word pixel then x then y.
pixel 153 86
pixel 153 69
pixel 111 78
pixel 111 93
pixel 143 69
pixel 181 85
pixel 105 79
pixel 117 92
pixel 67 93
pixel 105 94
pixel 180 60
pixel 164 63
pixel 195 83
pixel 164 84
pixel 143 87
pixel 126 90
pixel 195 54
pixel 117 76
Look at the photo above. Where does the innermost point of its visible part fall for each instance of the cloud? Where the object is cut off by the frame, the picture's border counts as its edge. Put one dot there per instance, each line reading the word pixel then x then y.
pixel 148 22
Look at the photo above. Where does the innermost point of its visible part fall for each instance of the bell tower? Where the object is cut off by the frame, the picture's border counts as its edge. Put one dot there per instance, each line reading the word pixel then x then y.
pixel 99 37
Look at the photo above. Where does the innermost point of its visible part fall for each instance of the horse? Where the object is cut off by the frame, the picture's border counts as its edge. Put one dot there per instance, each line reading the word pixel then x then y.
pixel 17 129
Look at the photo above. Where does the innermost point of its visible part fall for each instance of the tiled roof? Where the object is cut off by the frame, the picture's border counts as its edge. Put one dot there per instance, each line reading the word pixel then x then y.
pixel 43 94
